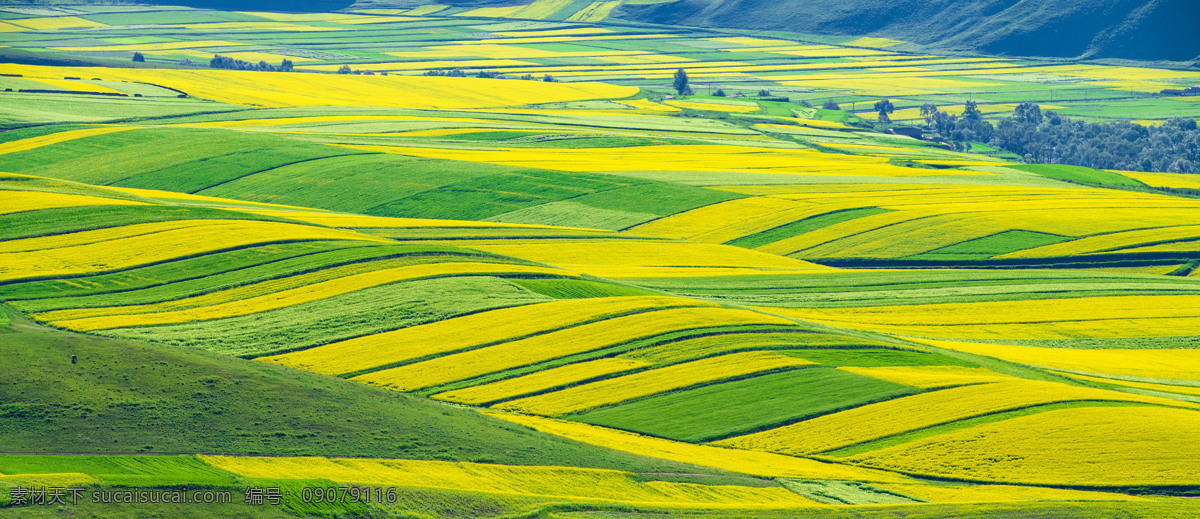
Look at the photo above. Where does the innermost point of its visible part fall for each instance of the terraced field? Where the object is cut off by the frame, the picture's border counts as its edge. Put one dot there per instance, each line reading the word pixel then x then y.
pixel 579 298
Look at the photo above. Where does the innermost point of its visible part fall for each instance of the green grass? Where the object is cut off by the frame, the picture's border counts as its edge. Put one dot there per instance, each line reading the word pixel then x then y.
pixel 1026 510
pixel 235 509
pixel 151 158
pixel 744 406
pixel 122 470
pixel 917 286
pixel 353 183
pixel 799 227
pixel 37 131
pixel 570 213
pixel 680 351
pixel 876 357
pixel 28 108
pixel 1080 175
pixel 660 199
pixel 482 197
pixel 993 245
pixel 358 313
pixel 45 222
pixel 126 396
pixel 843 492
pixel 193 268
pixel 565 288
pixel 363 256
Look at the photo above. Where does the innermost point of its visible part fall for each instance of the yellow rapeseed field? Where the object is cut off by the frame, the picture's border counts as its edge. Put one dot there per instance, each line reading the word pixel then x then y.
pixel 273 90
pixel 968 493
pixel 17 201
pixel 734 460
pixel 467 331
pixel 541 380
pixel 98 256
pixel 929 377
pixel 715 106
pixel 879 420
pixel 1172 180
pixel 1114 446
pixel 171 45
pixel 606 258
pixel 579 339
pixel 1178 364
pixel 1105 316
pixel 51 23
pixel 619 389
pixel 719 223
pixel 597 485
pixel 673 157
pixel 291 297
pixel 1178 389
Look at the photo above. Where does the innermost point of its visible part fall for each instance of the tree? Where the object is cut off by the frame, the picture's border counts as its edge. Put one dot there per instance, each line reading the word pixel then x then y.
pixel 927 111
pixel 548 79
pixel 720 93
pixel 971 111
pixel 681 82
pixel 764 93
pixel 805 103
pixel 1028 113
pixel 184 62
pixel 285 65
pixel 344 69
pixel 830 104
pixel 138 57
pixel 884 107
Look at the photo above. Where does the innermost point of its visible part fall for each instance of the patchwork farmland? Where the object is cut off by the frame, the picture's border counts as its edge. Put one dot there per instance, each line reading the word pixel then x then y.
pixel 579 294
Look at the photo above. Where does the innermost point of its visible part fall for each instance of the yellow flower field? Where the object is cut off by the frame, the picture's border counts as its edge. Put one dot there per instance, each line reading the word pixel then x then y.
pixel 131 47
pixel 1082 446
pixel 734 460
pixel 1106 316
pixel 99 256
pixel 1178 364
pixel 540 380
pixel 597 485
pixel 929 377
pixel 900 415
pixel 596 256
pixel 579 339
pixel 467 331
pixel 226 296
pixel 692 158
pixel 725 221
pixel 619 389
pixel 322 290
pixel 51 23
pixel 1173 180
pixel 720 107
pixel 17 201
pixel 967 493
pixel 1178 389
pixel 273 90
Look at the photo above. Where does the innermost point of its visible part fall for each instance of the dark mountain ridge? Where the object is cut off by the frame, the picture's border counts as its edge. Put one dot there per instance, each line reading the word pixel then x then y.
pixel 1130 29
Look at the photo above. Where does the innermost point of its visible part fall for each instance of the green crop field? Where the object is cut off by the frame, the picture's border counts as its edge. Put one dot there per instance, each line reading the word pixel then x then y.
pixel 494 261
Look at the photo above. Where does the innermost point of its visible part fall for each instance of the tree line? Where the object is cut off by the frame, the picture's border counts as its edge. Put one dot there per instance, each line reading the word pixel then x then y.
pixel 1050 138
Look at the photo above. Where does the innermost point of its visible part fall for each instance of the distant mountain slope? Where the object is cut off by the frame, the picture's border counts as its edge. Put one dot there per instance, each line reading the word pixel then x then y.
pixel 1136 29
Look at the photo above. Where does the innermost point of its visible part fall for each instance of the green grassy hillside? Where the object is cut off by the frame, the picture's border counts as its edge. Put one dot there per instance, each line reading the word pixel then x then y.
pixel 125 396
